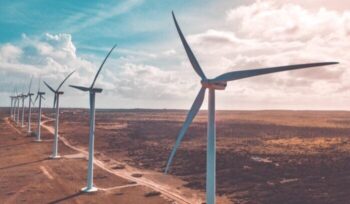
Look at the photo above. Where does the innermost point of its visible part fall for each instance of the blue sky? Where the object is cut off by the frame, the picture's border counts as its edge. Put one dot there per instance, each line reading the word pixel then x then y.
pixel 149 68
pixel 95 24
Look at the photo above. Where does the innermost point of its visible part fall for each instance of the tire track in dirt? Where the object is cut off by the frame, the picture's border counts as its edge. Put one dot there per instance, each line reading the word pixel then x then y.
pixel 127 174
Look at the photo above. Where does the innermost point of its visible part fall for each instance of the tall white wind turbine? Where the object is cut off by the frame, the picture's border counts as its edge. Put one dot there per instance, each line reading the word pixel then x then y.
pixel 18 101
pixel 14 112
pixel 40 96
pixel 57 93
pixel 90 175
pixel 217 83
pixel 17 108
pixel 23 97
pixel 29 95
pixel 11 106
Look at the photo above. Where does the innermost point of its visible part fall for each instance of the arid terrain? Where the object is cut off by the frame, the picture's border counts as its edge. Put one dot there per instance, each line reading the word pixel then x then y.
pixel 262 156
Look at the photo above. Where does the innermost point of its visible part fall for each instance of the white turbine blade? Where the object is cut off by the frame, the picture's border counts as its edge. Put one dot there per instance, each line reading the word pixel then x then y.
pixel 64 80
pixel 54 101
pixel 43 97
pixel 230 76
pixel 99 70
pixel 36 98
pixel 39 85
pixel 189 52
pixel 30 85
pixel 190 116
pixel 48 86
pixel 80 88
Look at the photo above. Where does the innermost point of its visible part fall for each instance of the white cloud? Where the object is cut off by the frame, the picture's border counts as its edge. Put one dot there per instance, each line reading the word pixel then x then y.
pixel 264 33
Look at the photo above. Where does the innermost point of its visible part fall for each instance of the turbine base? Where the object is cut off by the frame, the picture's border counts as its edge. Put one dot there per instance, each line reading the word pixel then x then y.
pixel 89 190
pixel 54 157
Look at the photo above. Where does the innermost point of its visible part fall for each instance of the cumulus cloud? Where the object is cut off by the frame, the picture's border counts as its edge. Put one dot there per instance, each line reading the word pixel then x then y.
pixel 53 56
pixel 273 33
pixel 260 34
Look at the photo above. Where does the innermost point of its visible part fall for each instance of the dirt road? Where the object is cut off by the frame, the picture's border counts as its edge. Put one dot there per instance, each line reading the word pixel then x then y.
pixel 128 171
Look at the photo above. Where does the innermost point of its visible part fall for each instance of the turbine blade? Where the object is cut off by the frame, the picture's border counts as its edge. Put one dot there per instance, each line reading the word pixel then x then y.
pixel 48 86
pixel 54 101
pixel 197 68
pixel 43 97
pixel 36 98
pixel 230 76
pixel 64 80
pixel 30 84
pixel 190 116
pixel 80 88
pixel 99 70
pixel 39 85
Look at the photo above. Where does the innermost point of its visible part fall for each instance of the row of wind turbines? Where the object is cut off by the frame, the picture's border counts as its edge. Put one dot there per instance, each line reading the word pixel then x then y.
pixel 217 83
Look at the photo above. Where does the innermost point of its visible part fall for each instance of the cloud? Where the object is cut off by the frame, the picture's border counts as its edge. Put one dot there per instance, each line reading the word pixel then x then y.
pixel 49 56
pixel 255 35
pixel 103 12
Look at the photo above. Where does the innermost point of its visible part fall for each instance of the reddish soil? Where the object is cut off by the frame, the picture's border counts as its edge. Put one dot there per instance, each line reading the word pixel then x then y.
pixel 28 176
pixel 262 156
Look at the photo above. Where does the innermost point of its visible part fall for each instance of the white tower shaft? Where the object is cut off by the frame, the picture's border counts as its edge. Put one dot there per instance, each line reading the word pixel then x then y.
pixel 29 113
pixel 55 143
pixel 22 121
pixel 211 151
pixel 90 175
pixel 38 136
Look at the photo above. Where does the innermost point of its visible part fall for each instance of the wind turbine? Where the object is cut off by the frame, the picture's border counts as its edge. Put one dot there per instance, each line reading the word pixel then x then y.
pixel 217 83
pixel 23 97
pixel 57 93
pixel 14 112
pixel 90 175
pixel 39 95
pixel 29 94
pixel 18 101
pixel 11 107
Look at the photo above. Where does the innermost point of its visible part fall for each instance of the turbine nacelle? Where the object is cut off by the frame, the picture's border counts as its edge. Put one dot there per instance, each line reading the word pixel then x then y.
pixel 217 85
pixel 96 90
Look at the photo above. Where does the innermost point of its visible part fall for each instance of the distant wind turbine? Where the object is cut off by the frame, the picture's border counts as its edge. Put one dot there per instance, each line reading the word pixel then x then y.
pixel 218 83
pixel 90 176
pixel 29 95
pixel 40 96
pixel 15 116
pixel 23 97
pixel 18 101
pixel 57 93
pixel 13 99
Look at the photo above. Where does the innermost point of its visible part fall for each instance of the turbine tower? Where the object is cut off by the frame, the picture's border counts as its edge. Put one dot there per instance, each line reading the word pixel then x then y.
pixel 57 93
pixel 11 107
pixel 29 94
pixel 39 95
pixel 18 101
pixel 218 83
pixel 23 97
pixel 90 175
pixel 14 112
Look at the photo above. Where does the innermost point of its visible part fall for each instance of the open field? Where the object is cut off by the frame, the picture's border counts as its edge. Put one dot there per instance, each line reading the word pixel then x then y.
pixel 262 156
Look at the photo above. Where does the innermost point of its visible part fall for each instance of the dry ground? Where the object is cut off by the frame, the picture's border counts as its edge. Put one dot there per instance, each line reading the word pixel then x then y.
pixel 262 156
pixel 267 157
pixel 28 176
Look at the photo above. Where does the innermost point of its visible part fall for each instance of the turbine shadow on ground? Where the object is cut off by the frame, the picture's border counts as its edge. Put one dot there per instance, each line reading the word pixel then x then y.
pixel 66 198
pixel 22 164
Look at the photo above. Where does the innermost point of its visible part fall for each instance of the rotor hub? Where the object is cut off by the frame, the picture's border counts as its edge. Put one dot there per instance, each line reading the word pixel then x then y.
pixel 214 84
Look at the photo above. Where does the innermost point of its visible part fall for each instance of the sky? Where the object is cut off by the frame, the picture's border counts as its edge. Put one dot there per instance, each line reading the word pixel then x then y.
pixel 149 68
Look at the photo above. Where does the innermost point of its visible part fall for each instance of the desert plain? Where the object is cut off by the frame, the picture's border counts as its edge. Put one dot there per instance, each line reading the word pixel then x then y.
pixel 272 156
